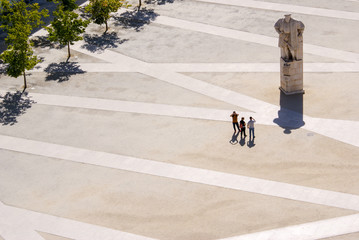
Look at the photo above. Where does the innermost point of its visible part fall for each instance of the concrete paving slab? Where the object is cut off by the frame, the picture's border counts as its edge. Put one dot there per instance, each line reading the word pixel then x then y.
pixel 333 95
pixel 312 230
pixel 208 145
pixel 322 31
pixel 195 47
pixel 290 8
pixel 347 5
pixel 255 38
pixel 118 86
pixel 205 147
pixel 129 200
pixel 190 47
pixel 47 236
pixel 352 236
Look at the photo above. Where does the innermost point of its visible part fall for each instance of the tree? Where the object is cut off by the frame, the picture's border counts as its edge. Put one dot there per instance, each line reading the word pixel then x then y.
pixel 100 10
pixel 66 28
pixel 67 5
pixel 18 23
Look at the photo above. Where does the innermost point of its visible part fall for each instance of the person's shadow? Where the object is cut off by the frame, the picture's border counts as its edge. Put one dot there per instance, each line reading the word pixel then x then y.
pixel 234 139
pixel 242 142
pixel 251 143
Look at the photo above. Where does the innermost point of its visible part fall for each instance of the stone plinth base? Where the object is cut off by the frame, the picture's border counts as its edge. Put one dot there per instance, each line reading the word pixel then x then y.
pixel 291 77
pixel 291 93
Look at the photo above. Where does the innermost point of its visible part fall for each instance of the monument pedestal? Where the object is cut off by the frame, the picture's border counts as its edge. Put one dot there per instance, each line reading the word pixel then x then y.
pixel 291 77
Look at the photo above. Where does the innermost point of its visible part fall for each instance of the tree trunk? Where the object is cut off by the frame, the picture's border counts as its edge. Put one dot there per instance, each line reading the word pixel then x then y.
pixel 25 85
pixel 106 27
pixel 68 51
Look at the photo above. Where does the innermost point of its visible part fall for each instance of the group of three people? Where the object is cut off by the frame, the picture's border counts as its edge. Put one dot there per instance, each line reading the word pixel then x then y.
pixel 242 125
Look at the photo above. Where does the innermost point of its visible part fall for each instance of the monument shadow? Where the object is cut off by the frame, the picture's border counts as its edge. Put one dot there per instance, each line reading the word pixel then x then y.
pixel 290 115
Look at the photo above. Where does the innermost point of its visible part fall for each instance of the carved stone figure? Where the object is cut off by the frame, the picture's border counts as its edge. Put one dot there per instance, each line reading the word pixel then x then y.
pixel 290 38
pixel 291 61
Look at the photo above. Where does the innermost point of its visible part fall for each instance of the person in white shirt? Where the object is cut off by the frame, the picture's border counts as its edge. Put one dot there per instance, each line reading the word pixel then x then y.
pixel 250 125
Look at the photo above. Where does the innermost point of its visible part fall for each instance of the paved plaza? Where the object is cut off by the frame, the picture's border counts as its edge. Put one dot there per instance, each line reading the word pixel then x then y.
pixel 132 137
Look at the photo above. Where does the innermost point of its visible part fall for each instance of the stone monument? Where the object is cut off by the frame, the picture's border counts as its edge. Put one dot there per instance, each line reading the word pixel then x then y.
pixel 291 48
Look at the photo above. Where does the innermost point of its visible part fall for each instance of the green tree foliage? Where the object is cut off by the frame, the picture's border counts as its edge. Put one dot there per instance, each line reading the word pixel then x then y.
pixel 67 5
pixel 18 22
pixel 66 28
pixel 100 10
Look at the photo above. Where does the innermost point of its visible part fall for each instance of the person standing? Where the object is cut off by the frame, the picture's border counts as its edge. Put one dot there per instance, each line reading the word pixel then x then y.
pixel 242 126
pixel 234 117
pixel 250 125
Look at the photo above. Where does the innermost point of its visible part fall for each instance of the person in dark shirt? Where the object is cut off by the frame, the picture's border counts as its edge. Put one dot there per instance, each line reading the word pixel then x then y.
pixel 242 126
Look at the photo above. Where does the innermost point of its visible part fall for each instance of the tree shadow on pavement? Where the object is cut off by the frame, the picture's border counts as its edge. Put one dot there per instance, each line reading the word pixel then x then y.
pixel 61 72
pixel 135 19
pixel 13 105
pixel 160 2
pixel 98 43
pixel 42 42
pixel 2 68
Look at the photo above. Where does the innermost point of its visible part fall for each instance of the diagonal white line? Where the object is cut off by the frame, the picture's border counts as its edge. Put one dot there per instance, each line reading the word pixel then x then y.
pixel 15 228
pixel 254 38
pixel 325 127
pixel 136 107
pixel 255 67
pixel 349 129
pixel 288 8
pixel 183 173
pixel 183 81
pixel 16 232
pixel 209 67
pixel 58 226
pixel 307 231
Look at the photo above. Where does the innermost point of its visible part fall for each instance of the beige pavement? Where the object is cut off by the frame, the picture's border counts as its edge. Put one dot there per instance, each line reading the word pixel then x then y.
pixel 133 140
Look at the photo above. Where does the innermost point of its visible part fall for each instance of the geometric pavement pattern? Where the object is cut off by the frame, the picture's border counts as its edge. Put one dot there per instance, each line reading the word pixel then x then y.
pixel 19 224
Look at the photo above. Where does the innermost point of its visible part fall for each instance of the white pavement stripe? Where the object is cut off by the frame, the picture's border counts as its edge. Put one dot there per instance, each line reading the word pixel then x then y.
pixel 183 173
pixel 264 109
pixel 288 8
pixel 308 231
pixel 210 67
pixel 253 38
pixel 58 226
pixel 16 232
pixel 326 127
pixel 348 130
pixel 15 228
pixel 136 107
pixel 256 67
pixel 186 82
